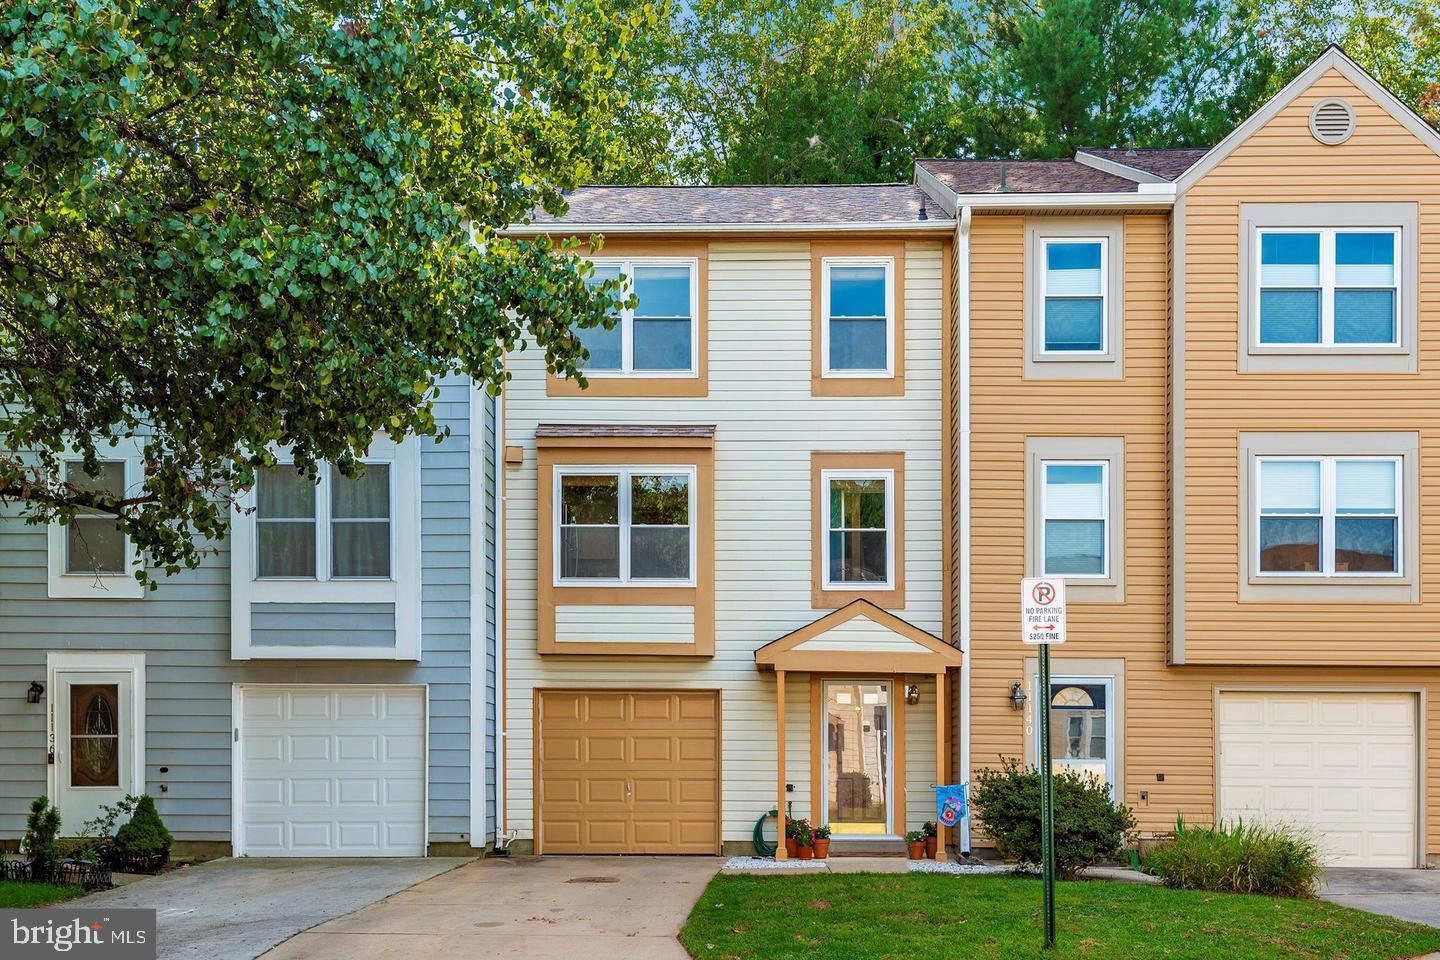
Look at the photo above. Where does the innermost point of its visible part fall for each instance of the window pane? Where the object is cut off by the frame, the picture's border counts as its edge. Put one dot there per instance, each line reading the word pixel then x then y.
pixel 284 549
pixel 1365 259
pixel 661 344
pixel 603 346
pixel 857 502
pixel 1289 316
pixel 110 482
pixel 858 556
pixel 1072 269
pixel 282 491
pixel 1365 486
pixel 662 500
pixel 1074 324
pixel 590 552
pixel 1290 486
pixel 662 291
pixel 1289 545
pixel 1075 491
pixel 1077 723
pixel 858 345
pixel 1289 259
pixel 589 499
pixel 857 291
pixel 857 758
pixel 94 735
pixel 366 496
pixel 360 549
pixel 1365 545
pixel 1364 316
pixel 659 553
pixel 1074 546
pixel 94 545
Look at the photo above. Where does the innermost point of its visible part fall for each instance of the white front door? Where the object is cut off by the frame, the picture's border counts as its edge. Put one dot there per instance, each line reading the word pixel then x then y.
pixel 95 744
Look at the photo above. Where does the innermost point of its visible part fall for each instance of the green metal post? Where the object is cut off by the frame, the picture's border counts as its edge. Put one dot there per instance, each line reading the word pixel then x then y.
pixel 1047 809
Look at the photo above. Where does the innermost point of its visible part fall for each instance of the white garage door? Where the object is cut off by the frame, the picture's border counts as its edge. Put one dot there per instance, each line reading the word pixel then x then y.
pixel 332 771
pixel 1342 765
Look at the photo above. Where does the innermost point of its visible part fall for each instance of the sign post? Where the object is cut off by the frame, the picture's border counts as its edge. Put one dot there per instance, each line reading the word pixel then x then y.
pixel 1042 617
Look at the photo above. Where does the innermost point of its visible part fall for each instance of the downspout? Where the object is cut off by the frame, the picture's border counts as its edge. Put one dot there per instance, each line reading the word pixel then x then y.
pixel 962 438
pixel 502 838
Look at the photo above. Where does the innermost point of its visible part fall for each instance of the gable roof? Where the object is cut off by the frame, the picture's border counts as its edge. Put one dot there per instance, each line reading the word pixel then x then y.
pixel 1163 163
pixel 859 638
pixel 1023 176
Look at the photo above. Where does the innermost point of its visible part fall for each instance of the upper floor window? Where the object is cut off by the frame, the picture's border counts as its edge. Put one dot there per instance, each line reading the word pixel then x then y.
pixel 631 525
pixel 337 529
pixel 658 336
pixel 1329 516
pixel 858 295
pixel 858 551
pixel 90 556
pixel 1075 517
pixel 1074 298
pixel 1073 295
pixel 1327 287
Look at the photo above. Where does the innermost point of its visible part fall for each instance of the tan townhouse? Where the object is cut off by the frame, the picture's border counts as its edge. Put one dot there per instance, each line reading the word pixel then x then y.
pixel 844 422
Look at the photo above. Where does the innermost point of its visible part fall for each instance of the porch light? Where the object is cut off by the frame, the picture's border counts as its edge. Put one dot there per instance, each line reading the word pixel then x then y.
pixel 912 694
pixel 1017 695
pixel 35 691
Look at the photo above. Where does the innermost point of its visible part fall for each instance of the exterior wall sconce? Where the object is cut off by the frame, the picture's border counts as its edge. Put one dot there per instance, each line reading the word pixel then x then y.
pixel 912 693
pixel 35 691
pixel 1017 695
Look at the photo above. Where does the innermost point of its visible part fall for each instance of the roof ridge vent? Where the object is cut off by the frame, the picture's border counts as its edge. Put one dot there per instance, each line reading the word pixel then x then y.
pixel 1332 121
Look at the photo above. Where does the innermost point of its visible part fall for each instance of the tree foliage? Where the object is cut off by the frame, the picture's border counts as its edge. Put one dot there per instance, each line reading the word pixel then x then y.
pixel 230 226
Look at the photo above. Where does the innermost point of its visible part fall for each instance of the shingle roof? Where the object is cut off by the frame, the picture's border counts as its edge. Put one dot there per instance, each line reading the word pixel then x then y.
pixel 867 203
pixel 1025 176
pixel 624 430
pixel 1167 162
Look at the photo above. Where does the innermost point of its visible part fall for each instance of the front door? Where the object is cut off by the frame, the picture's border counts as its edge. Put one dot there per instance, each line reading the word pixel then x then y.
pixel 94 743
pixel 857 758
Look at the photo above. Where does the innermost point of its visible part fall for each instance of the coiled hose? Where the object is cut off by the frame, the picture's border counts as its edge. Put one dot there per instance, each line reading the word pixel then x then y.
pixel 757 836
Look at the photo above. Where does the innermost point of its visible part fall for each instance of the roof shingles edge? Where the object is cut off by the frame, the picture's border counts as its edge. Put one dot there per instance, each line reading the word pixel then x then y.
pixel 969 177
pixel 700 205
pixel 625 430
pixel 1169 163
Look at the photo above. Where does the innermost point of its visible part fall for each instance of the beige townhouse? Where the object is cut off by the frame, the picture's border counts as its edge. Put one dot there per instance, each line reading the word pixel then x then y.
pixel 781 534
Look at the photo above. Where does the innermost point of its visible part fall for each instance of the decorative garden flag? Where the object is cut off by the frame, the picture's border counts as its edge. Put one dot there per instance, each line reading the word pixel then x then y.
pixel 950 804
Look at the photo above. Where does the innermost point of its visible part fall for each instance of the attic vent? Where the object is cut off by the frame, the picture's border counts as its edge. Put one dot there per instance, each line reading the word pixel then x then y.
pixel 1332 121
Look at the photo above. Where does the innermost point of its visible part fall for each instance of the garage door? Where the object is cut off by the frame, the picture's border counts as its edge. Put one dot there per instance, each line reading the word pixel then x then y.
pixel 1342 765
pixel 629 772
pixel 332 771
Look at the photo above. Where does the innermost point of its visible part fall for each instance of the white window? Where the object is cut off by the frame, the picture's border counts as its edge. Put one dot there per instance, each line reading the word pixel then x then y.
pixel 90 557
pixel 625 526
pixel 657 337
pixel 859 549
pixel 1073 295
pixel 1074 507
pixel 1329 516
pixel 1328 287
pixel 336 529
pixel 858 307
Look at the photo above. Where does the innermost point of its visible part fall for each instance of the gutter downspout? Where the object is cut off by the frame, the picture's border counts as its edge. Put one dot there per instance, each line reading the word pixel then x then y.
pixel 962 438
pixel 498 572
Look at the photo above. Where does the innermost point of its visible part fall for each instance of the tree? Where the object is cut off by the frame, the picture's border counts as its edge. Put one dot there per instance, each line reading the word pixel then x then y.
pixel 228 226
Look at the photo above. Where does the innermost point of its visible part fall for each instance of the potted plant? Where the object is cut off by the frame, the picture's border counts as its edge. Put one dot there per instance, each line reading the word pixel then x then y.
pixel 821 836
pixel 932 839
pixel 792 842
pixel 915 840
pixel 805 837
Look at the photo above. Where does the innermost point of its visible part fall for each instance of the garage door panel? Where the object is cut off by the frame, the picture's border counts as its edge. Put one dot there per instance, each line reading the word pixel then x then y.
pixel 309 706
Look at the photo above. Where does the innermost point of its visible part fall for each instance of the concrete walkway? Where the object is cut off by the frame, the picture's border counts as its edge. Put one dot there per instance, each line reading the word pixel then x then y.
pixel 1407 894
pixel 548 908
pixel 238 909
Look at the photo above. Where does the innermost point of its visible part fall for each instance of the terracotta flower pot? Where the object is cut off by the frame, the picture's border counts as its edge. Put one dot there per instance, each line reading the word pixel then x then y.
pixel 807 853
pixel 822 848
pixel 931 845
pixel 792 847
pixel 917 851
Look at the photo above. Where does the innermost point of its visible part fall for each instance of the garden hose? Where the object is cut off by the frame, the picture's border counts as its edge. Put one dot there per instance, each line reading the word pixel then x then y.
pixel 757 836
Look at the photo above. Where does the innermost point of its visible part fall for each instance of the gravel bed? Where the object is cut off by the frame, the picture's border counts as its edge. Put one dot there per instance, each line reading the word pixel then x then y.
pixel 769 863
pixel 946 866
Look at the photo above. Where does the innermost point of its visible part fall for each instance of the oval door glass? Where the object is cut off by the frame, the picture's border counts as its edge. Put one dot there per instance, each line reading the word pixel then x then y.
pixel 95 735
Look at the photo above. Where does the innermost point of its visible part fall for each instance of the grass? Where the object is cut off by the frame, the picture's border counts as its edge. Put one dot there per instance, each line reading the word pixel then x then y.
pixel 937 917
pixel 15 895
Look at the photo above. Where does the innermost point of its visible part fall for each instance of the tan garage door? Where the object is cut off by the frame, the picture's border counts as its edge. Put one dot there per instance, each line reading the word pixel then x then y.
pixel 624 772
pixel 1341 765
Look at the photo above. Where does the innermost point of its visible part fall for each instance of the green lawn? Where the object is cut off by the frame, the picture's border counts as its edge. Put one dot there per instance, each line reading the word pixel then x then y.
pixel 938 917
pixel 15 895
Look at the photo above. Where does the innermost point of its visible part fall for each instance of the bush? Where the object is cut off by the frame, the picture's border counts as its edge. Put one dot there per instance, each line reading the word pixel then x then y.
pixel 41 843
pixel 1089 826
pixel 143 843
pixel 1278 861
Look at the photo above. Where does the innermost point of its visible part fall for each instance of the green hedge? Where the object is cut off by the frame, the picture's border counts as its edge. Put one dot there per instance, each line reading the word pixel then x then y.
pixel 1276 860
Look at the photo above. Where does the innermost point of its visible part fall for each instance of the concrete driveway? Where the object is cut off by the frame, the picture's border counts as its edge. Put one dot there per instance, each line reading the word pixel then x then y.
pixel 238 909
pixel 1407 894
pixel 547 908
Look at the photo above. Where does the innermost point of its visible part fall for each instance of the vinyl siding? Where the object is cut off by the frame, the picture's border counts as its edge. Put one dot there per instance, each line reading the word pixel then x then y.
pixel 767 425
pixel 322 624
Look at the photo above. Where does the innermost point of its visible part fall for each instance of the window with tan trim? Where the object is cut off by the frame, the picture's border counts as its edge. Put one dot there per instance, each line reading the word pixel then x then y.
pixel 857 319
pixel 859 523
pixel 1075 514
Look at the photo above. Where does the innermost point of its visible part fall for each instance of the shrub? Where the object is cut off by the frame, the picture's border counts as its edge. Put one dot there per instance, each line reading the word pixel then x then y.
pixel 1275 860
pixel 1089 826
pixel 143 842
pixel 41 843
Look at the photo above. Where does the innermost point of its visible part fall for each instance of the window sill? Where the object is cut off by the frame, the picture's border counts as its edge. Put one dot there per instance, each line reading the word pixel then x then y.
pixel 857 385
pixel 1328 359
pixel 630 385
pixel 76 586
pixel 833 598
pixel 1330 590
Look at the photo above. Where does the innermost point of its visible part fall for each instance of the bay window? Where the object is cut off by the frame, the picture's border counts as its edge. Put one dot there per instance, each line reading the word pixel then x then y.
pixel 625 525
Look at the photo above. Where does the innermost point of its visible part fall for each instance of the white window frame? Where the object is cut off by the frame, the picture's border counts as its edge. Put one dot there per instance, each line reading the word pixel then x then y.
pixel 1327 287
pixel 888 371
pixel 324 533
pixel 888 475
pixel 1104 465
pixel 401 589
pixel 1327 517
pixel 60 663
pixel 823 801
pixel 1046 241
pixel 626 322
pixel 624 474
pixel 90 585
pixel 1069 680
